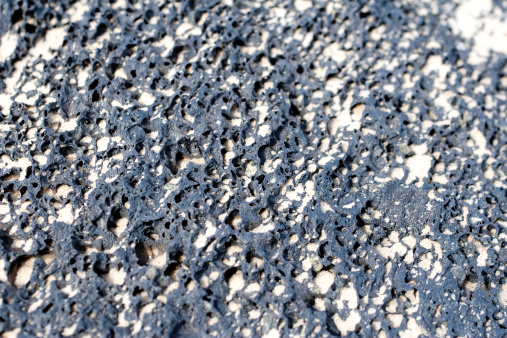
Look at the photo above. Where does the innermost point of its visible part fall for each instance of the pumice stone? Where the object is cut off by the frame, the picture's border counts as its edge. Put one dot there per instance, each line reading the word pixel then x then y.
pixel 241 168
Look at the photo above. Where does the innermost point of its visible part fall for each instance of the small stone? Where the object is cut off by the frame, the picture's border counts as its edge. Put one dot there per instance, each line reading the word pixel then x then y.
pixel 459 273
pixel 316 264
pixel 405 149
pixel 151 272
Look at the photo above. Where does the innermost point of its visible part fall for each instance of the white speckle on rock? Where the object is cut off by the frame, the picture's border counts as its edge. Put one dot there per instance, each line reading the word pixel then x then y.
pixel 3 272
pixel 324 280
pixel 264 228
pixel 121 226
pixel 9 42
pixel 480 143
pixel 11 334
pixel 68 125
pixel 410 241
pixel 69 331
pixel 279 290
pixel 4 209
pixel 395 319
pixel 348 324
pixel 390 252
pixel 413 330
pixel 502 295
pixel 146 99
pixel 116 276
pixel 273 333
pixel 419 166
pixel 349 295
pixel 397 173
pixel 236 281
pixel 264 130
pixel 64 190
pixel 302 5
pixel 102 144
pixel 167 42
pixel 475 20
pixel 252 288
pixel 24 272
pixel 483 253
pixel 66 214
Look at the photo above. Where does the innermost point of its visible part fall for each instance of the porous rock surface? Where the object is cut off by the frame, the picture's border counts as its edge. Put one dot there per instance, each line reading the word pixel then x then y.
pixel 246 168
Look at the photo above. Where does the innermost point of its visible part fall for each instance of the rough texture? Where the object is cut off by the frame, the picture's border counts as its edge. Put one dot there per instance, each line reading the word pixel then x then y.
pixel 245 168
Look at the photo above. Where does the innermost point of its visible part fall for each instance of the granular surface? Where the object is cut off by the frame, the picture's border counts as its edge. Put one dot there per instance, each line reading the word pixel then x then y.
pixel 253 168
